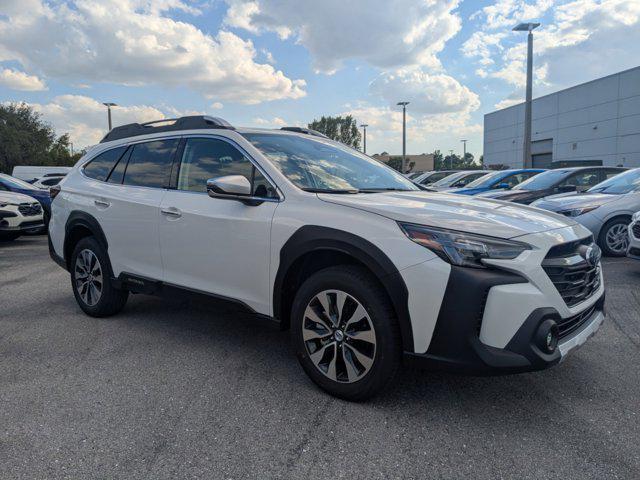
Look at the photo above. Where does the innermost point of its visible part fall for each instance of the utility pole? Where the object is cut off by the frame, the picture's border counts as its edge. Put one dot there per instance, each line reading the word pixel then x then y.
pixel 109 105
pixel 404 135
pixel 364 128
pixel 450 159
pixel 526 148
pixel 464 155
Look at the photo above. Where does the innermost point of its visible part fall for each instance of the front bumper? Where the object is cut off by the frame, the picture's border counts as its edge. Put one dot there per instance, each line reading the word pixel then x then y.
pixel 633 250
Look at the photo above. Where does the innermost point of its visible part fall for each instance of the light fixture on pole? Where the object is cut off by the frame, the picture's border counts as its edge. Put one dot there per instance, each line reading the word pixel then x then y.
pixel 364 137
pixel 464 155
pixel 404 135
pixel 109 105
pixel 526 150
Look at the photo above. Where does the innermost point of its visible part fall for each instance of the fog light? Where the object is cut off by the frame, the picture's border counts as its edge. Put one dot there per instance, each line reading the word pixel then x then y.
pixel 547 336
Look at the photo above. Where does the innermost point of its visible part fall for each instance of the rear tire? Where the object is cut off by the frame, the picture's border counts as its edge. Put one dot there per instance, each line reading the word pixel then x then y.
pixel 614 237
pixel 345 333
pixel 91 280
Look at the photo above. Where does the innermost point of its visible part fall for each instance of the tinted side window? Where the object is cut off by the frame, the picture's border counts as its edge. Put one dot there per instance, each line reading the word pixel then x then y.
pixel 608 173
pixel 117 174
pixel 150 163
pixel 101 165
pixel 206 158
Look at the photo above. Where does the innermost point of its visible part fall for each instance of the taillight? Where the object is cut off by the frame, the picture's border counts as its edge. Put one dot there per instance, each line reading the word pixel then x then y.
pixel 54 191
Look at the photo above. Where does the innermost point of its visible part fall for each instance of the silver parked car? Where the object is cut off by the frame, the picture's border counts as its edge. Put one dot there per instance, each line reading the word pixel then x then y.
pixel 634 237
pixel 605 209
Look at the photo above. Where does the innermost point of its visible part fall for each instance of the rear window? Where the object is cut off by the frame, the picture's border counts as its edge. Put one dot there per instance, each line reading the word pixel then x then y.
pixel 150 163
pixel 101 165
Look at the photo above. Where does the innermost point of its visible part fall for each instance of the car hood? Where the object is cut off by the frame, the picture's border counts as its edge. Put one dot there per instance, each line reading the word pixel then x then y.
pixel 559 202
pixel 15 197
pixel 456 212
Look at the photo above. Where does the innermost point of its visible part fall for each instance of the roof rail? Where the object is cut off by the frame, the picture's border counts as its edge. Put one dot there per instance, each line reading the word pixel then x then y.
pixel 194 122
pixel 308 131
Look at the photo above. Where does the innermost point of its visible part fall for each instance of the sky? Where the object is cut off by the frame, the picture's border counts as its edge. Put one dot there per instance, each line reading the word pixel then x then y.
pixel 270 63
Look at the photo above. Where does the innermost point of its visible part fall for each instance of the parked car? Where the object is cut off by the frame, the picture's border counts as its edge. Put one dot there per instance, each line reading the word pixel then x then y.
pixel 360 265
pixel 633 250
pixel 33 173
pixel 412 175
pixel 551 182
pixel 500 180
pixel 48 181
pixel 457 180
pixel 12 184
pixel 19 214
pixel 427 178
pixel 605 209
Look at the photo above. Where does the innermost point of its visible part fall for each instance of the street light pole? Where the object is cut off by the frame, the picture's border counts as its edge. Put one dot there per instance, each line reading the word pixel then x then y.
pixel 404 135
pixel 109 105
pixel 526 148
pixel 450 159
pixel 464 155
pixel 364 128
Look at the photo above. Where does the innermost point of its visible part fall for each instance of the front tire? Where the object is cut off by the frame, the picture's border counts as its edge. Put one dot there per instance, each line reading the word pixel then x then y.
pixel 91 280
pixel 614 237
pixel 345 333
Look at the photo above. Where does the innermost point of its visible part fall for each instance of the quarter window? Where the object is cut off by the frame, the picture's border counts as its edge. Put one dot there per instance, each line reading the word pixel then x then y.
pixel 150 163
pixel 100 166
pixel 206 158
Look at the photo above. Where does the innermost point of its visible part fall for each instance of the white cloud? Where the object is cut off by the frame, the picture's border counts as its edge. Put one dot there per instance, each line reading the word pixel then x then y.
pixel 507 13
pixel 429 94
pixel 17 80
pixel 275 122
pixel 133 42
pixel 384 34
pixel 217 106
pixel 85 119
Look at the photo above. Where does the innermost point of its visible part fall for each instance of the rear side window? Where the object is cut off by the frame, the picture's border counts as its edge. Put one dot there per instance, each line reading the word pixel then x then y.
pixel 150 163
pixel 101 165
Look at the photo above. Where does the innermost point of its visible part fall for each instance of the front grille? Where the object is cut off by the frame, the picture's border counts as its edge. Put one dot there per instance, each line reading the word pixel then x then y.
pixel 29 209
pixel 569 325
pixel 33 223
pixel 573 276
pixel 636 230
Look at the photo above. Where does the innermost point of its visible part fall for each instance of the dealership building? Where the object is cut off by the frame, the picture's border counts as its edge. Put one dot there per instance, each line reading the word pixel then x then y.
pixel 595 123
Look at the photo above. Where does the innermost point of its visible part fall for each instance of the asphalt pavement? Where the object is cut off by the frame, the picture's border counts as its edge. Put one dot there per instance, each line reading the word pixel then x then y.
pixel 186 389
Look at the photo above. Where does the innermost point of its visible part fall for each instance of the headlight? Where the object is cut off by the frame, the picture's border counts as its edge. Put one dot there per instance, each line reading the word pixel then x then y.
pixel 463 249
pixel 6 204
pixel 576 212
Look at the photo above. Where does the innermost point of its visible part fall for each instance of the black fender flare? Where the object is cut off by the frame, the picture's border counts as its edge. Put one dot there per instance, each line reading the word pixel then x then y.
pixel 316 238
pixel 83 219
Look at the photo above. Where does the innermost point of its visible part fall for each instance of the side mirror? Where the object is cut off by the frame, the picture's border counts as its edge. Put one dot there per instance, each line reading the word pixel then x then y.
pixel 567 188
pixel 230 186
pixel 502 186
pixel 458 184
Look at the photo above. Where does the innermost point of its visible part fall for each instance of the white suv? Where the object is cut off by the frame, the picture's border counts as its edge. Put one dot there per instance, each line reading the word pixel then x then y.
pixel 366 270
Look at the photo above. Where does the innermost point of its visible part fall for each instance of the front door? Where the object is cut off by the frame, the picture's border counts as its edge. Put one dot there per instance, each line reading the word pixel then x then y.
pixel 214 245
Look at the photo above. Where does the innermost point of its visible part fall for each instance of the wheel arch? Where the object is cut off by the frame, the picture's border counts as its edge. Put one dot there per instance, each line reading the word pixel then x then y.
pixel 78 226
pixel 312 248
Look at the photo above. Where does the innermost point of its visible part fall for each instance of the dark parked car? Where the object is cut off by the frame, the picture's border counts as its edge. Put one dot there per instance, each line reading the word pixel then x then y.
pixel 552 182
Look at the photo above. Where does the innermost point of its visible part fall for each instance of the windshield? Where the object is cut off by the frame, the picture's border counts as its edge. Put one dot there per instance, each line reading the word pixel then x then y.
pixel 458 177
pixel 626 182
pixel 543 180
pixel 16 182
pixel 486 180
pixel 325 166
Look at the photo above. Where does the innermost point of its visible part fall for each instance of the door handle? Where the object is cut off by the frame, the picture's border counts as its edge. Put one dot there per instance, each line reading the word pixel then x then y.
pixel 171 212
pixel 101 203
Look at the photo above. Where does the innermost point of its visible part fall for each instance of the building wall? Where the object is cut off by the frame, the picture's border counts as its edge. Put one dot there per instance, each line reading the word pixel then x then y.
pixel 423 162
pixel 598 120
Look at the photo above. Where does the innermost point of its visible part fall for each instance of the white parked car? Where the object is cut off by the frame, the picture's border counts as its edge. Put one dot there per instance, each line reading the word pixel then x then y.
pixel 19 214
pixel 605 209
pixel 363 268
pixel 633 250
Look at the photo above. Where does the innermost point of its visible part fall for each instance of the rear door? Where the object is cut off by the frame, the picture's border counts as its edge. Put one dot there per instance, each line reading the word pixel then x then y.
pixel 216 245
pixel 127 206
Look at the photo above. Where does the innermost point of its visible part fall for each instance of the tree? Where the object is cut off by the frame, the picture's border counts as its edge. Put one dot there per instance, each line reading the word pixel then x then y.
pixel 454 161
pixel 25 139
pixel 341 129
pixel 395 163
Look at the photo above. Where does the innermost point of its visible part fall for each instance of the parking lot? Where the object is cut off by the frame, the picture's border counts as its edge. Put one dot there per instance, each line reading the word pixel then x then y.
pixel 194 389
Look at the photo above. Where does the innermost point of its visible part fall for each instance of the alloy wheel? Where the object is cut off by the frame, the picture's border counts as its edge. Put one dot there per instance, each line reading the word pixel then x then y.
pixel 88 277
pixel 617 238
pixel 339 336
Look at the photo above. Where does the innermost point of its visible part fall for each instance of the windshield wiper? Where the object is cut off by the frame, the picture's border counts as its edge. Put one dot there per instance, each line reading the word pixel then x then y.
pixel 331 190
pixel 385 189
